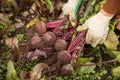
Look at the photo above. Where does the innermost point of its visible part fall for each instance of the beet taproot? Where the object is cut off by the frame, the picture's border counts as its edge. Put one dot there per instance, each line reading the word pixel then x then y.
pixel 52 59
pixel 40 27
pixel 49 51
pixel 36 42
pixel 49 38
pixel 66 69
pixel 63 57
pixel 60 44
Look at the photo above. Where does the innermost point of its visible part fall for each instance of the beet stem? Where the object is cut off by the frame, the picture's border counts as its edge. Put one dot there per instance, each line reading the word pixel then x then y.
pixel 73 43
pixel 78 44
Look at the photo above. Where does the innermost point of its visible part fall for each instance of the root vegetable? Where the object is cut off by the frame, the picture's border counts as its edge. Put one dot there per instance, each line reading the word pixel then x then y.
pixel 49 38
pixel 36 42
pixel 60 44
pixel 52 59
pixel 66 69
pixel 49 51
pixel 40 27
pixel 63 57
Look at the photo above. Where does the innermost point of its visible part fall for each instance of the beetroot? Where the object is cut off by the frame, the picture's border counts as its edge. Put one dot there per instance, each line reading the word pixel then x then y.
pixel 49 38
pixel 40 27
pixel 63 57
pixel 60 44
pixel 49 51
pixel 66 69
pixel 52 59
pixel 36 42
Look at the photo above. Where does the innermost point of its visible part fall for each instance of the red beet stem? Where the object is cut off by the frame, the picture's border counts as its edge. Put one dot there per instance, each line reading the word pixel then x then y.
pixel 80 50
pixel 56 23
pixel 73 43
pixel 66 37
pixel 78 44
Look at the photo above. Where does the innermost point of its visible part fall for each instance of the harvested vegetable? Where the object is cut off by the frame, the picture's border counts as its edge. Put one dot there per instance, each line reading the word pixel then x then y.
pixel 49 38
pixel 60 44
pixel 66 69
pixel 40 27
pixel 36 42
pixel 63 57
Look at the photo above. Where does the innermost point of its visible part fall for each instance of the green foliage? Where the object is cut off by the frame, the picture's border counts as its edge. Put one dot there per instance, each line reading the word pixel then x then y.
pixel 49 5
pixel 116 71
pixel 2 72
pixel 30 65
pixel 85 69
pixel 11 72
pixel 112 41
pixel 118 57
pixel 20 37
pixel 76 75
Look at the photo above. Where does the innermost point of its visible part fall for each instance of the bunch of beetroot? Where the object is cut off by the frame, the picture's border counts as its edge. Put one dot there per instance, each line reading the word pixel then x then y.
pixel 58 51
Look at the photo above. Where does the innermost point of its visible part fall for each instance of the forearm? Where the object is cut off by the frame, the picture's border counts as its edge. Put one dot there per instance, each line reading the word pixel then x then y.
pixel 112 6
pixel 106 13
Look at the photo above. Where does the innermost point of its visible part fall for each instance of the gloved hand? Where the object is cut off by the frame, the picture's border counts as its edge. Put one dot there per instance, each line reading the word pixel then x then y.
pixel 98 26
pixel 71 9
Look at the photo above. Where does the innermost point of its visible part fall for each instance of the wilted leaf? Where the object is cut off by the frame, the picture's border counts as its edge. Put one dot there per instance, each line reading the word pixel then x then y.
pixel 11 73
pixel 37 71
pixel 13 3
pixel 4 23
pixel 116 71
pixel 32 22
pixel 87 69
pixel 111 41
pixel 37 53
pixel 19 23
pixel 11 41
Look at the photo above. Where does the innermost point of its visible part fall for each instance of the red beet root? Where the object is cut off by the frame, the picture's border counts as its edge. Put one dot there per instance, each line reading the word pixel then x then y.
pixel 40 27
pixel 52 59
pixel 66 69
pixel 36 42
pixel 49 38
pixel 60 44
pixel 63 57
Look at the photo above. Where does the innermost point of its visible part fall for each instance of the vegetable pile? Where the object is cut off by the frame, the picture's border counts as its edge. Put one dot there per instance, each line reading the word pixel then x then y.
pixel 56 45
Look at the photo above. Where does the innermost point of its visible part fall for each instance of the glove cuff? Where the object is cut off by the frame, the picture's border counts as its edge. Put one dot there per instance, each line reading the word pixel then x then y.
pixel 101 16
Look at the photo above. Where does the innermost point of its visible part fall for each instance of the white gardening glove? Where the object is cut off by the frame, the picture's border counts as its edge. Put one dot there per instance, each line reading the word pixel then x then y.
pixel 71 8
pixel 98 26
